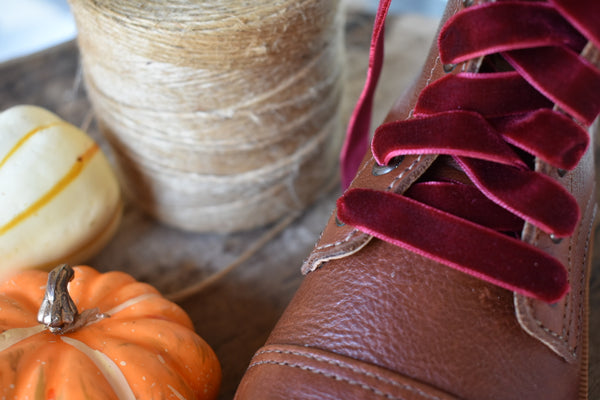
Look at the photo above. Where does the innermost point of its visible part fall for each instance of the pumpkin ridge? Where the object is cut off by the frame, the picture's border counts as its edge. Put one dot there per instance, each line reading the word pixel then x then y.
pixel 19 310
pixel 68 373
pixel 176 393
pixel 136 300
pixel 20 366
pixel 41 385
pixel 171 366
pixel 130 302
pixel 105 290
pixel 13 336
pixel 166 351
pixel 24 290
pixel 106 366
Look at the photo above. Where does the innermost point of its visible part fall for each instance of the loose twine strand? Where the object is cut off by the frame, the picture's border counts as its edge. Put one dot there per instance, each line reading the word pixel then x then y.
pixel 255 247
pixel 208 91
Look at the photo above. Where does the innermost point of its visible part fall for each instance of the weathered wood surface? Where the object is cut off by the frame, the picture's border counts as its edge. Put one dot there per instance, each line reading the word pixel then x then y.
pixel 236 311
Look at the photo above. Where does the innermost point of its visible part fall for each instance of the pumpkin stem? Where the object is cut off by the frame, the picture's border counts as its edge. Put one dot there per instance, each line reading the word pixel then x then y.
pixel 58 311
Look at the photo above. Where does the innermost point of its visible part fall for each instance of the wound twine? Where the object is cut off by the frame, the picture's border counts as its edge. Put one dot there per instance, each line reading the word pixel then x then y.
pixel 223 115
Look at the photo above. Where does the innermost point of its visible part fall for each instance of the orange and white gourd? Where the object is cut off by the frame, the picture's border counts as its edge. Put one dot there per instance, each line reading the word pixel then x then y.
pixel 127 343
pixel 59 198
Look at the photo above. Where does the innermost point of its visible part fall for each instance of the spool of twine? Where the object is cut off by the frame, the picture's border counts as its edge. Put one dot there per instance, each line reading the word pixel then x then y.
pixel 223 115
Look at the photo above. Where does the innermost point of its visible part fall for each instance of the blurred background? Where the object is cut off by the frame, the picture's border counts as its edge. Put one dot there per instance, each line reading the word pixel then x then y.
pixel 27 26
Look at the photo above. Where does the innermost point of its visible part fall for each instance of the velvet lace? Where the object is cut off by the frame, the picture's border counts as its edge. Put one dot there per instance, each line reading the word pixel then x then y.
pixel 532 99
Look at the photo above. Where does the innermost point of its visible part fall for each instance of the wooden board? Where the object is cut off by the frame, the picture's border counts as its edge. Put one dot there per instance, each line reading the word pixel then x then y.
pixel 234 311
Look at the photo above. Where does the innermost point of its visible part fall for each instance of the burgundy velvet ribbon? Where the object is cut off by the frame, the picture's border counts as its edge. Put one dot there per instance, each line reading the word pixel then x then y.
pixel 507 262
pixel 459 133
pixel 490 94
pixel 524 120
pixel 535 197
pixel 482 30
pixel 582 14
pixel 356 142
pixel 451 197
pixel 493 124
pixel 540 44
pixel 553 137
pixel 548 68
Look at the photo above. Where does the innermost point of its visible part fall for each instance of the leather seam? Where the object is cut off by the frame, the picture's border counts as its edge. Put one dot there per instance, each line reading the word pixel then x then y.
pixel 428 81
pixel 569 302
pixel 354 231
pixel 332 376
pixel 582 276
pixel 337 377
pixel 337 243
pixel 351 234
pixel 531 310
pixel 401 175
pixel 431 71
pixel 566 329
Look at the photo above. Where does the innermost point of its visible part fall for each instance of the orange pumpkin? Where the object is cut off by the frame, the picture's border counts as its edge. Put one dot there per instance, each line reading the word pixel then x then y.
pixel 129 342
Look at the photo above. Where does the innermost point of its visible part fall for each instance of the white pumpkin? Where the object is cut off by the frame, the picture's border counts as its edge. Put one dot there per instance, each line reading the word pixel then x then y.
pixel 59 198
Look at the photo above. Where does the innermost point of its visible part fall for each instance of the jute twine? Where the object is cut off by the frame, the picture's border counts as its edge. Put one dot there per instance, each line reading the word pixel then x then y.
pixel 223 114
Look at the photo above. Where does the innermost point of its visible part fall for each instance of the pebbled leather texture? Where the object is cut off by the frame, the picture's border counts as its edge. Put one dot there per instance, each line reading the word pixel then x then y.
pixel 366 305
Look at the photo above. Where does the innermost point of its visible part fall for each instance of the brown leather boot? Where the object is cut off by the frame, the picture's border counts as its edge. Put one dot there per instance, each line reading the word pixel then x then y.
pixel 456 265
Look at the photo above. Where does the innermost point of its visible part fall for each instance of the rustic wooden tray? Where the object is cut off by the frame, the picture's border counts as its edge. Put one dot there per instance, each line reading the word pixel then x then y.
pixel 244 280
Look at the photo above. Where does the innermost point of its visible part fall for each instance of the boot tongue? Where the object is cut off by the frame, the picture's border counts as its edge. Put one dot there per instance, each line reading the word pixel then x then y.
pixel 445 168
pixel 446 187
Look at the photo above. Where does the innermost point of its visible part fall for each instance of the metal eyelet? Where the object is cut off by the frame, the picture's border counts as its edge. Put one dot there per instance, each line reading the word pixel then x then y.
pixel 379 170
pixel 467 3
pixel 448 67
pixel 561 172
pixel 338 222
pixel 555 239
